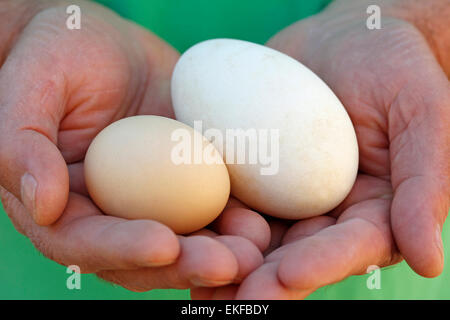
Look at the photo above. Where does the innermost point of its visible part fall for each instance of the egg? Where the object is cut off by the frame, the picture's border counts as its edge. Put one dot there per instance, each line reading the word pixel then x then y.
pixel 143 167
pixel 289 144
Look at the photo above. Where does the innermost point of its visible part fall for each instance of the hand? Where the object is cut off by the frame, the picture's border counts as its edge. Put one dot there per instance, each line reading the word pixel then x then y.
pixel 58 89
pixel 314 252
pixel 398 97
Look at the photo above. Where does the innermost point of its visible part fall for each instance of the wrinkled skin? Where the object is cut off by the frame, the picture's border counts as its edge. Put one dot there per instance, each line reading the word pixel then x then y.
pixel 58 89
pixel 398 97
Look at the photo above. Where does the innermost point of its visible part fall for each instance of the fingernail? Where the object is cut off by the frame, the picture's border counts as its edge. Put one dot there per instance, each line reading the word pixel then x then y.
pixel 237 280
pixel 154 264
pixel 28 193
pixel 208 283
pixel 438 239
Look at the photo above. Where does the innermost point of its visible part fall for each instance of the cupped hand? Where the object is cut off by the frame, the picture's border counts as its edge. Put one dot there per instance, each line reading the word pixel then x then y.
pixel 396 91
pixel 58 89
pixel 314 252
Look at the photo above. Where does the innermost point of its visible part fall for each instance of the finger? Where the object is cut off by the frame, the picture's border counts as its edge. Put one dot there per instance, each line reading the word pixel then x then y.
pixel 85 237
pixel 225 293
pixel 221 293
pixel 417 219
pixel 33 169
pixel 366 187
pixel 204 232
pixel 11 205
pixel 277 230
pixel 420 166
pixel 263 284
pixel 202 293
pixel 301 229
pixel 245 223
pixel 277 254
pixel 203 262
pixel 97 242
pixel 341 250
pixel 246 253
pixel 235 203
pixel 306 228
pixel 76 178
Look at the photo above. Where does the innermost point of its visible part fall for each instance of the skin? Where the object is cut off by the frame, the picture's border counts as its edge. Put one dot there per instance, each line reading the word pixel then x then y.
pixel 65 92
pixel 393 83
pixel 58 89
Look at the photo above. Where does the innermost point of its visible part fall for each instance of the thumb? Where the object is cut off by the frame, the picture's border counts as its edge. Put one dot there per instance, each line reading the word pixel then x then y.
pixel 32 96
pixel 420 168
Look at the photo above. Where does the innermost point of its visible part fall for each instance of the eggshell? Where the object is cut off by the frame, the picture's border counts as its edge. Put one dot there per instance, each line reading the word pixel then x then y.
pixel 130 173
pixel 230 84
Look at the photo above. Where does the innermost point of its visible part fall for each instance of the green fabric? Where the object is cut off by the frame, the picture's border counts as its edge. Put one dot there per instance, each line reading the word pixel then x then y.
pixel 26 274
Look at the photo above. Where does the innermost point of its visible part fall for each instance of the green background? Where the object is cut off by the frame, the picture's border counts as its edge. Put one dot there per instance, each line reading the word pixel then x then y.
pixel 26 274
